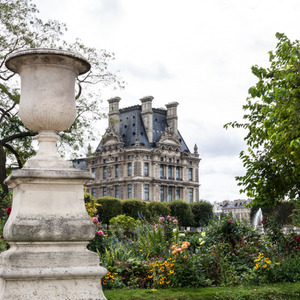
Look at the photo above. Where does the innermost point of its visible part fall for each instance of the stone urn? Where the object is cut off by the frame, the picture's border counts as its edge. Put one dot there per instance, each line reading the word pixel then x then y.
pixel 48 228
pixel 47 103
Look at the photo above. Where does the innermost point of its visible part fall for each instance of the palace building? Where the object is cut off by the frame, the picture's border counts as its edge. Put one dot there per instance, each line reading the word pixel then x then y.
pixel 142 155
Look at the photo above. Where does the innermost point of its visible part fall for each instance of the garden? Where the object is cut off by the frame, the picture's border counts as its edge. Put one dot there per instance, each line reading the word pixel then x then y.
pixel 151 252
pixel 148 255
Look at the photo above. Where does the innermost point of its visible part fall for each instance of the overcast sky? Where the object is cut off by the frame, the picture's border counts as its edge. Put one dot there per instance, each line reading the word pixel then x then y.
pixel 196 52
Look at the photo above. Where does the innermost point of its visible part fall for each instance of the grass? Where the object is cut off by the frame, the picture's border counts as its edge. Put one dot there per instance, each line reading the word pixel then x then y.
pixel 286 291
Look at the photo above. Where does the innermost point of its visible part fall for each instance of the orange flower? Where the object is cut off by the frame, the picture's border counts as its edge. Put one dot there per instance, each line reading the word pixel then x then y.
pixel 184 246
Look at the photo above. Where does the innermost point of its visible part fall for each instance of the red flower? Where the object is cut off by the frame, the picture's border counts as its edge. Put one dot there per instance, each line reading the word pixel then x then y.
pixel 263 221
pixel 298 239
pixel 8 210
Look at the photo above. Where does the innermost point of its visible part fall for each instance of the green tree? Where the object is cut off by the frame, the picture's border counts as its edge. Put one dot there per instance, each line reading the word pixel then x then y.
pixel 20 28
pixel 182 211
pixel 135 208
pixel 158 209
pixel 272 121
pixel 202 211
pixel 108 208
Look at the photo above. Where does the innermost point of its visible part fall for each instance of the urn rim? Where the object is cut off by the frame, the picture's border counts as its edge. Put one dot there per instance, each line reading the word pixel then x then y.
pixel 82 64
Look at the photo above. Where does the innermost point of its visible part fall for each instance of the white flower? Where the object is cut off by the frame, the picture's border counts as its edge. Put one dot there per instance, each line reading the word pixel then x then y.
pixel 203 234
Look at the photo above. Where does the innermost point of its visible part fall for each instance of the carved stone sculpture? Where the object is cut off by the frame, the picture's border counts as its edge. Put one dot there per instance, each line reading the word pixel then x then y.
pixel 48 228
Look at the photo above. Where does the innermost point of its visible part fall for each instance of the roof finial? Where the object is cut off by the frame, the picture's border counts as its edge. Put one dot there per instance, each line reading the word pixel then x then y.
pixel 195 149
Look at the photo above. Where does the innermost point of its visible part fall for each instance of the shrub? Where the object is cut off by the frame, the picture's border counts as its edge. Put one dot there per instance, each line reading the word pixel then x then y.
pixel 202 211
pixel 158 209
pixel 135 208
pixel 182 211
pixel 109 208
pixel 90 204
pixel 125 222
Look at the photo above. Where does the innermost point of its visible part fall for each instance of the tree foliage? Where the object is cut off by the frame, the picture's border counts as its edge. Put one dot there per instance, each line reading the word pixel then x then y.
pixel 182 211
pixel 135 208
pixel 158 209
pixel 272 121
pixel 108 208
pixel 20 28
pixel 202 211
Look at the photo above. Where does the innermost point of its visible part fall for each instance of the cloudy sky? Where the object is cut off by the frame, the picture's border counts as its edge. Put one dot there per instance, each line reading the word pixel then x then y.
pixel 196 52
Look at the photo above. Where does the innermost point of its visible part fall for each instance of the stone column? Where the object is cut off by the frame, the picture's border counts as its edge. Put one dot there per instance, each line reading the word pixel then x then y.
pixel 48 228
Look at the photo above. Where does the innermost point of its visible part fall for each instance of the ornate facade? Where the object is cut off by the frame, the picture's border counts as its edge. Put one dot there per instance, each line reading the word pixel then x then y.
pixel 142 155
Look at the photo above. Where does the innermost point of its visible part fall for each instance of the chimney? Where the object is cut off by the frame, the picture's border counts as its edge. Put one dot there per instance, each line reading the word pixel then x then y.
pixel 114 113
pixel 172 119
pixel 147 116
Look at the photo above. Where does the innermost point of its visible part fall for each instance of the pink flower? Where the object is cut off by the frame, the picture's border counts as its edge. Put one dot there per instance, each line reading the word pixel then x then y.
pixel 230 221
pixel 100 232
pixel 95 220
pixel 161 219
pixel 98 223
pixel 168 218
pixel 175 221
pixel 8 210
pixel 155 226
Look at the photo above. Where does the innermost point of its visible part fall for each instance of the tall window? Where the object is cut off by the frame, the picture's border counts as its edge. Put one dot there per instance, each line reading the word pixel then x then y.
pixel 177 192
pixel 94 171
pixel 93 192
pixel 177 173
pixel 104 172
pixel 190 174
pixel 117 172
pixel 129 188
pixel 191 195
pixel 161 171
pixel 117 191
pixel 104 192
pixel 129 169
pixel 162 194
pixel 169 172
pixel 146 192
pixel 169 194
pixel 146 169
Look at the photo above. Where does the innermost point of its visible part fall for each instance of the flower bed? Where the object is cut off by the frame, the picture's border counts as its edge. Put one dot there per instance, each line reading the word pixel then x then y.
pixel 225 253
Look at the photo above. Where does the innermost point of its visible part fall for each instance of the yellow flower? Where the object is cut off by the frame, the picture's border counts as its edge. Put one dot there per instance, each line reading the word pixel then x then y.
pixel 150 276
pixel 202 243
pixel 278 263
pixel 264 266
pixel 203 234
pixel 154 290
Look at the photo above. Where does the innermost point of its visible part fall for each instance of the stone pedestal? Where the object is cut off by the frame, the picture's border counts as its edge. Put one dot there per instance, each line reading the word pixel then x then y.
pixel 48 231
pixel 48 228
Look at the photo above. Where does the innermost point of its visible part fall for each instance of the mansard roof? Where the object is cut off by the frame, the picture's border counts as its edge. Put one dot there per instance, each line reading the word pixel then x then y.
pixel 132 129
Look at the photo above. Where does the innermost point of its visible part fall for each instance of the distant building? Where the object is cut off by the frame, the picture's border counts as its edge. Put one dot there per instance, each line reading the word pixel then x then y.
pixel 143 155
pixel 236 208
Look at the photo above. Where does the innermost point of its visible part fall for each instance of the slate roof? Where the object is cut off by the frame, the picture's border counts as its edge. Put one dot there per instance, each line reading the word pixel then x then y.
pixel 132 126
pixel 79 163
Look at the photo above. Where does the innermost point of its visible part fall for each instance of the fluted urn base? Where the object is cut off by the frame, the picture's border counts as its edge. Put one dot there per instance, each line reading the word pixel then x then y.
pixel 48 231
